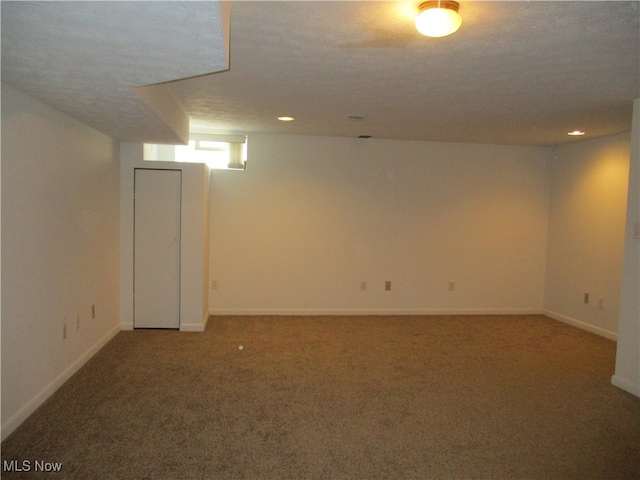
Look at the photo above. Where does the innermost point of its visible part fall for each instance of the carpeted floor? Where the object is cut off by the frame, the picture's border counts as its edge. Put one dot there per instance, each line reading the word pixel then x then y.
pixel 400 397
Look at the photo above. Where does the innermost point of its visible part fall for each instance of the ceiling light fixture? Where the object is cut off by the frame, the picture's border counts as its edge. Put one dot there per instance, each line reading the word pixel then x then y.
pixel 286 119
pixel 576 133
pixel 438 18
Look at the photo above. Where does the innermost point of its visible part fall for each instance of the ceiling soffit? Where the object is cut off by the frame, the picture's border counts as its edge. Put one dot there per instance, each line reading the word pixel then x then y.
pixel 87 58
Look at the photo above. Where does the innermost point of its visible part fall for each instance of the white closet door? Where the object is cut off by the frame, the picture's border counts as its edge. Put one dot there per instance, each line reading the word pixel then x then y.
pixel 156 268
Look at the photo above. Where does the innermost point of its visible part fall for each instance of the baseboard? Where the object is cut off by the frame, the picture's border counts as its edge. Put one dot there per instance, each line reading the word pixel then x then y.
pixel 582 325
pixel 369 311
pixel 627 386
pixel 14 422
pixel 195 327
pixel 126 326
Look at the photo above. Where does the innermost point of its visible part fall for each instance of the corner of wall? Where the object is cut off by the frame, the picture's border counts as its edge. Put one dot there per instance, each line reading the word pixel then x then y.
pixel 627 374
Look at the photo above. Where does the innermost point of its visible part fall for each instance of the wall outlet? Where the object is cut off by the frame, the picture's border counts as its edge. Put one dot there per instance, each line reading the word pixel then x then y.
pixel 601 303
pixel 387 285
pixel 214 284
pixel 363 285
pixel 452 286
pixel 93 311
pixel 586 298
pixel 78 321
pixel 64 331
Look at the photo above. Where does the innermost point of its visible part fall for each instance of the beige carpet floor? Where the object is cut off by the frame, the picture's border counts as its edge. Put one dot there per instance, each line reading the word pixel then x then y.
pixel 374 397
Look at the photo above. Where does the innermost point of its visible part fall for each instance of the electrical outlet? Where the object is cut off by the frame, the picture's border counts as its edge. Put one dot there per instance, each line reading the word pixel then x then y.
pixel 452 286
pixel 601 303
pixel 363 285
pixel 387 285
pixel 586 298
pixel 93 311
pixel 64 331
pixel 77 321
pixel 214 284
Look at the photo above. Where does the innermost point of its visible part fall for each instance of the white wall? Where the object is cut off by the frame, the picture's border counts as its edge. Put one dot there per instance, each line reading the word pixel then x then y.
pixel 60 239
pixel 627 375
pixel 586 232
pixel 194 258
pixel 312 217
pixel 206 239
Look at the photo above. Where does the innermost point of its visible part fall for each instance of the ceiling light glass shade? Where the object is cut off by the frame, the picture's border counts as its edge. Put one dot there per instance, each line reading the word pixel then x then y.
pixel 438 18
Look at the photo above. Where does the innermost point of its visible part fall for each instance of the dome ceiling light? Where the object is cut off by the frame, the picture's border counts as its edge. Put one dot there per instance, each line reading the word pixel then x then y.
pixel 438 18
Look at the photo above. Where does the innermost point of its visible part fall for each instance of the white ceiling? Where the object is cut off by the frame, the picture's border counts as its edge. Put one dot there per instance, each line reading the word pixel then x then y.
pixel 86 58
pixel 515 73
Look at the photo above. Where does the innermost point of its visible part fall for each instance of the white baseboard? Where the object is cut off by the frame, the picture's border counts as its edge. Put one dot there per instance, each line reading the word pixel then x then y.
pixel 14 422
pixel 582 325
pixel 195 327
pixel 365 311
pixel 626 385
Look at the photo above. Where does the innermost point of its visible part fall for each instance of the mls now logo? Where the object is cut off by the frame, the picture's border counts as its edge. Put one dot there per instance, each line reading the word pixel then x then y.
pixel 28 466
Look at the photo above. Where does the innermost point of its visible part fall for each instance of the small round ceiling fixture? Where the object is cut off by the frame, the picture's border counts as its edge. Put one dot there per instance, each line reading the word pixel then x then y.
pixel 286 119
pixel 438 18
pixel 576 133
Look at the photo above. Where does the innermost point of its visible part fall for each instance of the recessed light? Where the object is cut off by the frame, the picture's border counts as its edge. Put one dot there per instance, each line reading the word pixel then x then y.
pixel 576 133
pixel 286 119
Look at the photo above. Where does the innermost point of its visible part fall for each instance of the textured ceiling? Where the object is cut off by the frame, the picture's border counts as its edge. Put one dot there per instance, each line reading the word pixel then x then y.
pixel 515 73
pixel 86 58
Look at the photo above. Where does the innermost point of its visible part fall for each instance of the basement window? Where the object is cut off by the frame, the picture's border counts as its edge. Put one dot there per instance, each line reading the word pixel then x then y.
pixel 219 152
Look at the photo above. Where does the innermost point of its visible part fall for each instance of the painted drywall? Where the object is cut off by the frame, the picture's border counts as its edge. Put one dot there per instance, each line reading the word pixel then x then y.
pixel 194 235
pixel 60 239
pixel 206 238
pixel 312 218
pixel 586 232
pixel 627 374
